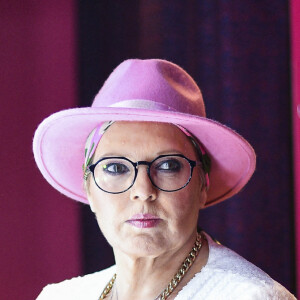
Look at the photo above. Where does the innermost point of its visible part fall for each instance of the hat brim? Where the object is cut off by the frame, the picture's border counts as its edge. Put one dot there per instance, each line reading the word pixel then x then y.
pixel 58 147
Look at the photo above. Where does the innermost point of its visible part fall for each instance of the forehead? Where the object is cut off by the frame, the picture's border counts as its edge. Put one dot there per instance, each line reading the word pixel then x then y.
pixel 143 140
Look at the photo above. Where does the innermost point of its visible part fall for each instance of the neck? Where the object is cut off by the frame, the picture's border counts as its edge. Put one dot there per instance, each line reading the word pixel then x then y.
pixel 146 277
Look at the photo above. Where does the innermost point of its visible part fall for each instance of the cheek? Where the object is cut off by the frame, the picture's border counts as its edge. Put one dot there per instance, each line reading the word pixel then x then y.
pixel 100 201
pixel 184 205
pixel 182 202
pixel 188 201
pixel 107 207
pixel 107 210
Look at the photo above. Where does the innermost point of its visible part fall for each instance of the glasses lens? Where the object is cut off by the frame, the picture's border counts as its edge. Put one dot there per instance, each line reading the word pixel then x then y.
pixel 114 175
pixel 170 173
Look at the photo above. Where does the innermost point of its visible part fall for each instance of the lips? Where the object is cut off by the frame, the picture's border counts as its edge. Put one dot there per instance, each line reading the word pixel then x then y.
pixel 143 220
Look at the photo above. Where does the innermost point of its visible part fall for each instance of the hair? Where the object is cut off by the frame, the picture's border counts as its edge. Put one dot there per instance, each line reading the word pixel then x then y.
pixel 87 178
pixel 199 156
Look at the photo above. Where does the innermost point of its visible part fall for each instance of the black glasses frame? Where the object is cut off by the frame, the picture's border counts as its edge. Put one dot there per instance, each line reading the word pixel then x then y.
pixel 192 163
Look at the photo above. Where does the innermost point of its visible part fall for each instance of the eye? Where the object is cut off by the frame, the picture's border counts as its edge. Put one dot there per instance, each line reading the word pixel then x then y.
pixel 169 165
pixel 115 168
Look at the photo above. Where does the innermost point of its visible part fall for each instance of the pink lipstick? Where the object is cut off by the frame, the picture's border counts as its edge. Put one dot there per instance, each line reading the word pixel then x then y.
pixel 143 220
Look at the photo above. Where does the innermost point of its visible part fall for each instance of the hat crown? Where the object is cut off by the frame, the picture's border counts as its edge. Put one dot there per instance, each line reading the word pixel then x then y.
pixel 154 84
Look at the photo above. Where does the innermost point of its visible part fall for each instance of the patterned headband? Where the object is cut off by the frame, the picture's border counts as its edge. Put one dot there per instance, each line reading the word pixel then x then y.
pixel 92 143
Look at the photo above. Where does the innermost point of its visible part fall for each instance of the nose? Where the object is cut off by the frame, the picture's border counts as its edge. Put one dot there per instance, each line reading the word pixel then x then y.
pixel 143 188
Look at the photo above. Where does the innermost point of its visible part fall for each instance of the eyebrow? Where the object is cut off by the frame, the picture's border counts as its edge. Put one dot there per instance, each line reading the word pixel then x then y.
pixel 170 152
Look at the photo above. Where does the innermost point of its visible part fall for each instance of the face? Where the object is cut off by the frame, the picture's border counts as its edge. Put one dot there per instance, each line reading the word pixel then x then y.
pixel 145 221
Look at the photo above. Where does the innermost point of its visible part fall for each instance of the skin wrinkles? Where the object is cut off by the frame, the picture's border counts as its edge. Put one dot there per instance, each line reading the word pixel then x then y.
pixel 147 258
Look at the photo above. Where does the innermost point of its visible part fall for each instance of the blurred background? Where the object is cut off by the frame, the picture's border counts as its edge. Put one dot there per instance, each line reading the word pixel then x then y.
pixel 56 55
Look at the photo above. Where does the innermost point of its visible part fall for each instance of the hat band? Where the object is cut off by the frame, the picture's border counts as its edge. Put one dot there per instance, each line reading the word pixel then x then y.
pixel 145 104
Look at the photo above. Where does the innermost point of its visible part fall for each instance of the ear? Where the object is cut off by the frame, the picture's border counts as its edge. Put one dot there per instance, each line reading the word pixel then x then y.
pixel 202 198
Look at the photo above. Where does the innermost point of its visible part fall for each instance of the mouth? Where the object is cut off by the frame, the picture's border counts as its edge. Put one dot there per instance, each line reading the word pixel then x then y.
pixel 144 220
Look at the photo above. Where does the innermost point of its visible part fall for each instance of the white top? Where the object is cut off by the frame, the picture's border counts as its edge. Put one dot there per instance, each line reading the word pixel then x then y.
pixel 226 276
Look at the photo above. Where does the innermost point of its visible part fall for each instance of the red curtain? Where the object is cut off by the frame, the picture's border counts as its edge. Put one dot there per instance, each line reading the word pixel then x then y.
pixel 295 49
pixel 39 229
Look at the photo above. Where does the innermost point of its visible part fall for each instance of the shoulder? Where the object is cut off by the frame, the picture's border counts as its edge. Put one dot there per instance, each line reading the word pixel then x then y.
pixel 85 287
pixel 227 275
pixel 225 261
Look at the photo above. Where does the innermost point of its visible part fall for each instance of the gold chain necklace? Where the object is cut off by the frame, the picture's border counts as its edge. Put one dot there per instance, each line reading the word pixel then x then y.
pixel 187 263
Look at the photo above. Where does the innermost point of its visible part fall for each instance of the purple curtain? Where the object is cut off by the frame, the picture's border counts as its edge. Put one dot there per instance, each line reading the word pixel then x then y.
pixel 238 52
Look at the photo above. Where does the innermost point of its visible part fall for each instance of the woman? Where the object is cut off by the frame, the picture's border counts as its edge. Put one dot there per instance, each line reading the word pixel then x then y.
pixel 152 161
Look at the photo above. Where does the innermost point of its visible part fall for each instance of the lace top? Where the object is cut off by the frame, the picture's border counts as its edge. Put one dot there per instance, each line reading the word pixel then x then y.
pixel 226 276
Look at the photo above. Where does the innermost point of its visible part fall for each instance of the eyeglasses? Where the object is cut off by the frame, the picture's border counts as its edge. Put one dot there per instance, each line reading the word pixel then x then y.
pixel 168 173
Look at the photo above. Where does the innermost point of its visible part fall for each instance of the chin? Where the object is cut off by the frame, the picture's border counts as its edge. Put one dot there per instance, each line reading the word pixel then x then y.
pixel 143 245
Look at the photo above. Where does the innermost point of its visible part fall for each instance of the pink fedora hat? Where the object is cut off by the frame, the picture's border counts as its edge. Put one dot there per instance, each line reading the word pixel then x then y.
pixel 142 90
